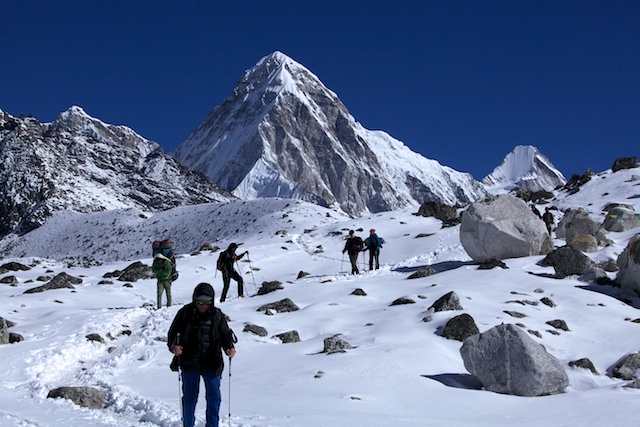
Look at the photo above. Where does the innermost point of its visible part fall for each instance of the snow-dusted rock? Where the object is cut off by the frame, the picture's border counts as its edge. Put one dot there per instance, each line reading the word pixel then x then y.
pixel 506 360
pixel 502 227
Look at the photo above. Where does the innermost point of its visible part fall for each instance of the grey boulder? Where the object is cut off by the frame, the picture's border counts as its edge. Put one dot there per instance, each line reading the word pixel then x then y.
pixel 506 360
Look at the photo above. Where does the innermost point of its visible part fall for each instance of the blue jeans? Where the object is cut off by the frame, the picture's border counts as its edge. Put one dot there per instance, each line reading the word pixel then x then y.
pixel 190 390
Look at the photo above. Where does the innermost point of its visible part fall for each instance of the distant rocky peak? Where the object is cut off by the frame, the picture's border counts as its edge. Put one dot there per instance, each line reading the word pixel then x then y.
pixel 76 121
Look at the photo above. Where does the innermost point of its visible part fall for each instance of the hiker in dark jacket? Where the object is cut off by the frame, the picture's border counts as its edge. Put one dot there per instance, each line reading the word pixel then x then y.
pixel 373 245
pixel 353 246
pixel 203 332
pixel 547 217
pixel 227 259
pixel 162 268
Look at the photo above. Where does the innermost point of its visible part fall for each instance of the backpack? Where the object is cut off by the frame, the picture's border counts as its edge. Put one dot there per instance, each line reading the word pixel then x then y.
pixel 164 247
pixel 356 244
pixel 220 262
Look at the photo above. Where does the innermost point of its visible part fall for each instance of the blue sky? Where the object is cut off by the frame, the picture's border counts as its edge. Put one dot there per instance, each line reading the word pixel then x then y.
pixel 461 82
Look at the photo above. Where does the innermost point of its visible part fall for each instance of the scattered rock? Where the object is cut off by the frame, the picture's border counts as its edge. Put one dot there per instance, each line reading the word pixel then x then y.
pixel 87 397
pixel 584 363
pixel 627 368
pixel 624 163
pixel 268 287
pixel 359 292
pixel 61 281
pixel 288 337
pixel 302 274
pixel 282 306
pixel 9 280
pixel 584 243
pixel 95 337
pixel 423 272
pixel 460 328
pixel 13 337
pixel 548 302
pixel 336 344
pixel 14 266
pixel 491 264
pixel 255 329
pixel 402 301
pixel 515 314
pixel 567 261
pixel 136 271
pixel 447 302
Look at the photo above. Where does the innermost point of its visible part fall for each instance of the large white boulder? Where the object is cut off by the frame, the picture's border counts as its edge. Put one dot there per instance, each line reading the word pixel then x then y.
pixel 503 227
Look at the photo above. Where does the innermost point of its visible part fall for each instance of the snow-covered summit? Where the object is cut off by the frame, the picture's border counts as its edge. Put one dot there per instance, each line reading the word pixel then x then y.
pixel 527 168
pixel 283 133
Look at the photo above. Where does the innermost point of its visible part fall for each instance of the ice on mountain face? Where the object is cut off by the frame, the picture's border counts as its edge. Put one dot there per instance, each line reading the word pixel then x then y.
pixel 283 133
pixel 526 168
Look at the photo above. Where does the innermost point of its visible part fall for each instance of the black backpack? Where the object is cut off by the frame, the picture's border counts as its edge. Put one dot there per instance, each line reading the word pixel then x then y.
pixel 357 244
pixel 220 261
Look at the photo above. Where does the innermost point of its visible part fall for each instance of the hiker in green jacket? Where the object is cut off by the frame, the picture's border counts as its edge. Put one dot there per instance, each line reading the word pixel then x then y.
pixel 162 268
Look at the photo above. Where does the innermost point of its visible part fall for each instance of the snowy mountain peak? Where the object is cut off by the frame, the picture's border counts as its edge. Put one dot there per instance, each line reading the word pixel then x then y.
pixel 283 133
pixel 527 168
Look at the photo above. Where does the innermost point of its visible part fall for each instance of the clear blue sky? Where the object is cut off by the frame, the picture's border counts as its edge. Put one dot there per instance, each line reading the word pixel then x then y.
pixel 461 82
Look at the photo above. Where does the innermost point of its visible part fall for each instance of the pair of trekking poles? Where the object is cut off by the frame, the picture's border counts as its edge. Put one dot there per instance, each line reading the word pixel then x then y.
pixel 364 262
pixel 180 385
pixel 255 289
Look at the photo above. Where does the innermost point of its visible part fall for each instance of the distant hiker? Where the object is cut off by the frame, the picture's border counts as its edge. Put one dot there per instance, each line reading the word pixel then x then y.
pixel 164 247
pixel 198 333
pixel 225 265
pixel 536 211
pixel 547 217
pixel 373 245
pixel 162 267
pixel 353 246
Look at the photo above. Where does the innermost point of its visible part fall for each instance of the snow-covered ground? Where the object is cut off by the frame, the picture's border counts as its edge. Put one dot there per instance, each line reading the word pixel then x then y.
pixel 401 373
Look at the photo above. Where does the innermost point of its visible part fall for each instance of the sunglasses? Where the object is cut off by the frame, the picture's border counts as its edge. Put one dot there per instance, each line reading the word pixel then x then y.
pixel 203 302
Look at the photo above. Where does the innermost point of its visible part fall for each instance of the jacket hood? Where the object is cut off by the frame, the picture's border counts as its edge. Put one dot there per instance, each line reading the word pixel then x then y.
pixel 203 289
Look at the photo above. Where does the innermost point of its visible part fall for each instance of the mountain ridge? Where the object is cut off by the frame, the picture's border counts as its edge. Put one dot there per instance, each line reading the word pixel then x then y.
pixel 78 162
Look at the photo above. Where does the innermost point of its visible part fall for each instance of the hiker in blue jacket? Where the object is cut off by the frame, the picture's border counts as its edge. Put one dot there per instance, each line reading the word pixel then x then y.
pixel 373 245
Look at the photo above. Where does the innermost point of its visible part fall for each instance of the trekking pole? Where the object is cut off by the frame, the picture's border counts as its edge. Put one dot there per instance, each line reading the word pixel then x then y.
pixel 255 290
pixel 180 383
pixel 244 288
pixel 342 264
pixel 230 391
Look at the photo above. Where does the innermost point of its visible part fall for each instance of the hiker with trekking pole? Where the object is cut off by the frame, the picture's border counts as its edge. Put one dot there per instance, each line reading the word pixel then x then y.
pixel 225 265
pixel 197 336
